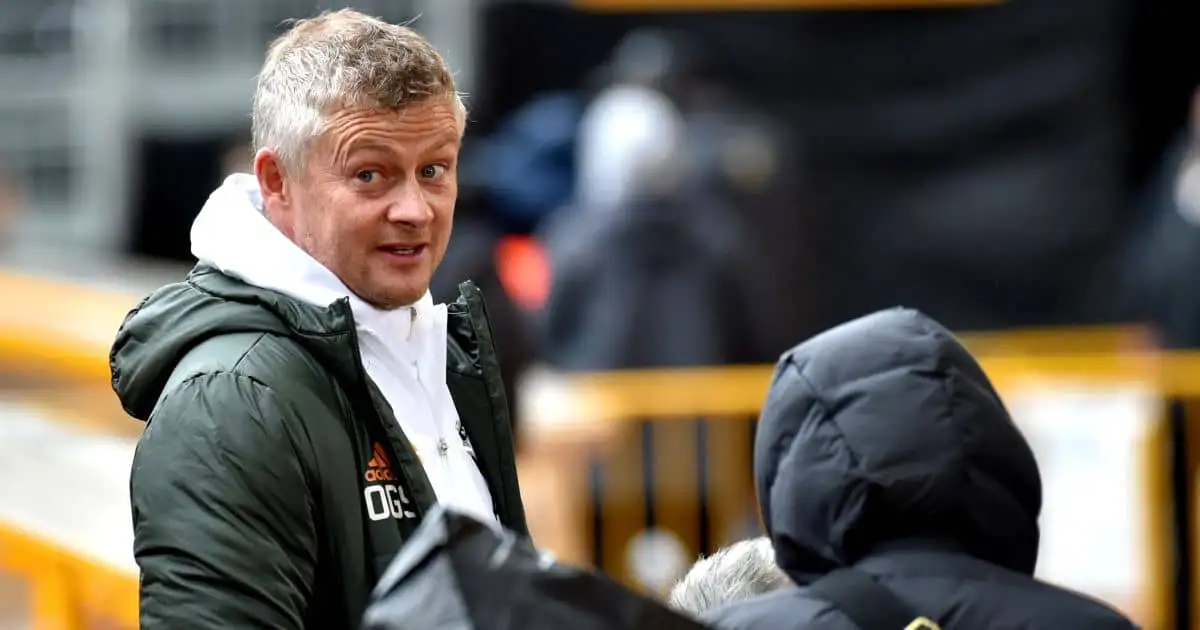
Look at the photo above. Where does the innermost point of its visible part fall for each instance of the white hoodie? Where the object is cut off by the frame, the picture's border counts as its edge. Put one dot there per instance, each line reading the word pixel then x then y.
pixel 403 350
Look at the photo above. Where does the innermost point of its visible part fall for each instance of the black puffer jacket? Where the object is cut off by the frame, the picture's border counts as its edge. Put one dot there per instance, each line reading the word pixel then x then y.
pixel 882 445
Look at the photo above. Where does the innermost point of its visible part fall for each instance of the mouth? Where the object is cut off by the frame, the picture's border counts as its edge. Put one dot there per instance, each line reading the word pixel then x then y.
pixel 404 253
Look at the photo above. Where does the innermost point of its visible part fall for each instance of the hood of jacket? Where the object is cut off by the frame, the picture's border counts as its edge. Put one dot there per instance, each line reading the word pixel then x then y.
pixel 251 279
pixel 885 430
pixel 168 323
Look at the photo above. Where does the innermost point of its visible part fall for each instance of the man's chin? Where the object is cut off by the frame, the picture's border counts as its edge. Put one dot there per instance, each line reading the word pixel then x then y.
pixel 392 299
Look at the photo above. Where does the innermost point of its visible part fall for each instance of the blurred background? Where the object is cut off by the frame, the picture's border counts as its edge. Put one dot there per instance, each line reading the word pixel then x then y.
pixel 658 197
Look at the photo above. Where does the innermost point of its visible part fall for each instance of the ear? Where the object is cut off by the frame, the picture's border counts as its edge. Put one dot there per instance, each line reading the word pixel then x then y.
pixel 269 172
pixel 275 189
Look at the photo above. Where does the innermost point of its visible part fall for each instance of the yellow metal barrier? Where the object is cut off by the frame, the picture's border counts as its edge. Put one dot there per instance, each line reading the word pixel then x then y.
pixel 59 328
pixel 69 591
pixel 665 436
pixel 61 332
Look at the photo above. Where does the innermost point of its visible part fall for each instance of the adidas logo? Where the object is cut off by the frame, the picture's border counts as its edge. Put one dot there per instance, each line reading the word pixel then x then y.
pixel 380 466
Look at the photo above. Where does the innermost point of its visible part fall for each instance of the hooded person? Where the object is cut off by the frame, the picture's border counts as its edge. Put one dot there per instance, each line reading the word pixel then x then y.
pixel 882 446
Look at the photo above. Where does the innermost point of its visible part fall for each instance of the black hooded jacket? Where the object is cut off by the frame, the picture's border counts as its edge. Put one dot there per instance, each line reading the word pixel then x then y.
pixel 882 445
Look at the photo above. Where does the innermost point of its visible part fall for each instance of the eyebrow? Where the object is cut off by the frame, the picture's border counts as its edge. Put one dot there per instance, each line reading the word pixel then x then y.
pixel 363 144
pixel 449 139
pixel 367 145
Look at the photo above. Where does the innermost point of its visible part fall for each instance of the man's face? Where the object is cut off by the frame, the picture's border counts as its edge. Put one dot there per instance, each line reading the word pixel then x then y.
pixel 375 203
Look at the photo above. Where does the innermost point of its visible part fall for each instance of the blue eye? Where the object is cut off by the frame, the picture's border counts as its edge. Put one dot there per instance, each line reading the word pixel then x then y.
pixel 366 176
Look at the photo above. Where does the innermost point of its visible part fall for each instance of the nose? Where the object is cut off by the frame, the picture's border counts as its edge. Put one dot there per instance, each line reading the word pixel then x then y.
pixel 409 206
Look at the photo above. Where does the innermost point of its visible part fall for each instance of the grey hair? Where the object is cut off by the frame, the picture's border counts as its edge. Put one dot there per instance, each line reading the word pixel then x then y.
pixel 735 573
pixel 341 59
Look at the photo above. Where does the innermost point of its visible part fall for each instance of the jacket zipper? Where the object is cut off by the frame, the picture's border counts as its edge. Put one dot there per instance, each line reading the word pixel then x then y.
pixel 434 409
pixel 443 447
pixel 364 382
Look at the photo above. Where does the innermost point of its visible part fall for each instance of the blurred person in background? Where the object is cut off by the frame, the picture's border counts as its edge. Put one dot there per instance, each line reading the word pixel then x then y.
pixel 633 118
pixel 736 573
pixel 527 166
pixel 1187 187
pixel 1166 245
pixel 647 268
pixel 745 158
pixel 306 400
pixel 883 447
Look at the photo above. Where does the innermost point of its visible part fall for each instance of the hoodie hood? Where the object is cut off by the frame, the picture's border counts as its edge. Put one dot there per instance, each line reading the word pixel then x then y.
pixel 168 323
pixel 232 234
pixel 251 279
pixel 885 430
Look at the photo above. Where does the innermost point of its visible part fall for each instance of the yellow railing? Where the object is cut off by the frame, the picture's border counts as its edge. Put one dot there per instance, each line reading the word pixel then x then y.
pixel 60 332
pixel 674 444
pixel 68 591
pixel 60 328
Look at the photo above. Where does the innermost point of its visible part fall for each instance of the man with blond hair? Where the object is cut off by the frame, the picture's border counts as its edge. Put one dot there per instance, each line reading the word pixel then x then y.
pixel 306 400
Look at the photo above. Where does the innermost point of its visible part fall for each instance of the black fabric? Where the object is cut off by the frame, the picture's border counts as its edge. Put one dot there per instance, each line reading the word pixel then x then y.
pixel 272 484
pixel 979 163
pixel 620 278
pixel 883 446
pixel 456 573
pixel 869 605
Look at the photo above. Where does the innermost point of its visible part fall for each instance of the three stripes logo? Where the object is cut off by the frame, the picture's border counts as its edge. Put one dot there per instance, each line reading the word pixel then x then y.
pixel 384 498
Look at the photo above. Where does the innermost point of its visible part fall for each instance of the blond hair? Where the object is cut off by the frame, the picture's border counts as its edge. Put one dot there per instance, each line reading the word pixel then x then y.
pixel 338 60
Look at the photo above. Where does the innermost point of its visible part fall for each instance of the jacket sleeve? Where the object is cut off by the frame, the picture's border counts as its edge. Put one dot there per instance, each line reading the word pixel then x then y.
pixel 224 529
